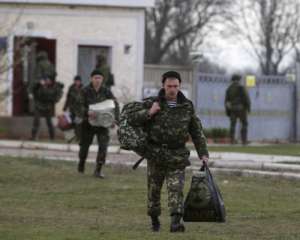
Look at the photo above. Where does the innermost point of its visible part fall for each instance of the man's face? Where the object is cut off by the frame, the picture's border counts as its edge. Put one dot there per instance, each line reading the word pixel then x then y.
pixel 172 87
pixel 48 81
pixel 97 80
pixel 77 83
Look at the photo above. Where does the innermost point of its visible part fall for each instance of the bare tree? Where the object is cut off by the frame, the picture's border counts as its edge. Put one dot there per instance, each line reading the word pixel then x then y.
pixel 270 29
pixel 8 23
pixel 175 27
pixel 296 40
pixel 205 65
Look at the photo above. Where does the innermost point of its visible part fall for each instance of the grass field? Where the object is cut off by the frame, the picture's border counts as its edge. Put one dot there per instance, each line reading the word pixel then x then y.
pixel 48 200
pixel 276 149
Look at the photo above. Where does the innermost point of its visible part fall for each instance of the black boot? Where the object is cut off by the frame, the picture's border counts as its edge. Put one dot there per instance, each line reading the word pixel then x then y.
pixel 155 223
pixel 80 167
pixel 176 225
pixel 33 135
pixel 98 171
pixel 244 136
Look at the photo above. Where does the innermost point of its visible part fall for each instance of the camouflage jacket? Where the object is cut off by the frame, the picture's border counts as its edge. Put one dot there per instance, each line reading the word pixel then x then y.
pixel 45 97
pixel 237 98
pixel 108 76
pixel 89 96
pixel 73 98
pixel 171 127
pixel 44 69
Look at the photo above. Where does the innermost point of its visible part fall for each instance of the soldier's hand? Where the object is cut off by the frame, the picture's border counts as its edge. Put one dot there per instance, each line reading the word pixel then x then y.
pixel 204 159
pixel 42 82
pixel 154 109
pixel 114 124
pixel 78 120
pixel 92 115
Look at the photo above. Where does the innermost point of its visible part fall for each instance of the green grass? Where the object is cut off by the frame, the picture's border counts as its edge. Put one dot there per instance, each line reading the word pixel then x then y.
pixel 42 200
pixel 276 149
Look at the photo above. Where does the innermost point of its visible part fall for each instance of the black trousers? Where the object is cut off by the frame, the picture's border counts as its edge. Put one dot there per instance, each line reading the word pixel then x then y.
pixel 77 127
pixel 36 123
pixel 87 134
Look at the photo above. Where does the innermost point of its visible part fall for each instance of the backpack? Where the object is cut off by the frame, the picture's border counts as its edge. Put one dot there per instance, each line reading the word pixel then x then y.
pixel 132 135
pixel 204 202
pixel 237 103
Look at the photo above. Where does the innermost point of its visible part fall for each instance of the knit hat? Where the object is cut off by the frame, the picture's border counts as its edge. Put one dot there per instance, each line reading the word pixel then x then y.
pixel 97 72
pixel 171 74
pixel 77 78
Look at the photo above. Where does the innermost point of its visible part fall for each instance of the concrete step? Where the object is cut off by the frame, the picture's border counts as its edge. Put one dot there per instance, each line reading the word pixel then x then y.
pixel 227 163
pixel 263 166
pixel 255 173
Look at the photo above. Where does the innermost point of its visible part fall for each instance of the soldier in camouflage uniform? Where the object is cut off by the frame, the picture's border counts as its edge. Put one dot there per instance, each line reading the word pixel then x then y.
pixel 170 119
pixel 44 68
pixel 237 106
pixel 105 69
pixel 91 94
pixel 45 94
pixel 72 101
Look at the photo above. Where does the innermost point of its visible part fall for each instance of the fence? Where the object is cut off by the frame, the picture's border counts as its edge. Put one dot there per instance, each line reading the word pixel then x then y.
pixel 272 102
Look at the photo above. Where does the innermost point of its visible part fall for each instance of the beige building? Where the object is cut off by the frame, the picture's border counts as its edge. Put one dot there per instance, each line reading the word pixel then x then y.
pixel 73 33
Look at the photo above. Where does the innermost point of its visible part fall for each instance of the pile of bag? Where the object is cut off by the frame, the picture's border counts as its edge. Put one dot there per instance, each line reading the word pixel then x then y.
pixel 204 202
pixel 64 122
pixel 132 135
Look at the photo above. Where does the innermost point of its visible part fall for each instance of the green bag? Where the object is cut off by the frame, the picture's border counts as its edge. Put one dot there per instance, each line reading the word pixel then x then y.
pixel 132 136
pixel 204 202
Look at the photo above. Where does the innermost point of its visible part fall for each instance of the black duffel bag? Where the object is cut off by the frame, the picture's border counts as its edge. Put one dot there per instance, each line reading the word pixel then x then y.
pixel 204 202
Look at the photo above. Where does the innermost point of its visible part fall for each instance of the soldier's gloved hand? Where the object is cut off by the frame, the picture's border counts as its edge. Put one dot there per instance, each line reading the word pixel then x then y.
pixel 154 109
pixel 204 159
pixel 78 120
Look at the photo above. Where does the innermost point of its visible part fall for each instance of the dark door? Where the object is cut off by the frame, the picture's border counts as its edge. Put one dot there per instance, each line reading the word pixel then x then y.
pixel 25 51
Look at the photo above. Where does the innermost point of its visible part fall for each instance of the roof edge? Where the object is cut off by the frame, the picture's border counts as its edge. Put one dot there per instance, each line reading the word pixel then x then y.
pixel 105 3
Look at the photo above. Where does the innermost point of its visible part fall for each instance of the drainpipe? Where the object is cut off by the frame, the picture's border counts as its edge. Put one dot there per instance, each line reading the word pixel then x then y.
pixel 297 103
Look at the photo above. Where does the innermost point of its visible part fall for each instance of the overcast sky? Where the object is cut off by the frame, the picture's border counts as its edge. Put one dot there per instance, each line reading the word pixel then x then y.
pixel 224 48
pixel 232 55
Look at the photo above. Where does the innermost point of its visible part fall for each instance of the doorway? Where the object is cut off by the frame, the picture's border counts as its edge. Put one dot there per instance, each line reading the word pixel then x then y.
pixel 25 55
pixel 88 57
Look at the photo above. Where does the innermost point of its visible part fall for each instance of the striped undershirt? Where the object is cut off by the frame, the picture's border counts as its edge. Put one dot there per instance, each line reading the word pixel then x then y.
pixel 172 104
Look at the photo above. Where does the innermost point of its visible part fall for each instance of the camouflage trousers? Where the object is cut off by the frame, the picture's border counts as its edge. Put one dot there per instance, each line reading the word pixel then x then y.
pixel 87 134
pixel 175 183
pixel 242 116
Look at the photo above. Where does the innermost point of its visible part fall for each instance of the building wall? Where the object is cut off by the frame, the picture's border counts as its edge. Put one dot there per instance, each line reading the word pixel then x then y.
pixel 73 26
